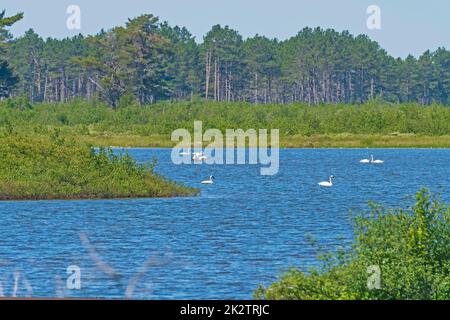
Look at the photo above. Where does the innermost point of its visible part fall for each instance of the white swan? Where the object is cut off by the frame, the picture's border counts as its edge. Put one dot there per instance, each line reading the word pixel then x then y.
pixel 371 160
pixel 199 156
pixel 328 183
pixel 210 181
pixel 376 161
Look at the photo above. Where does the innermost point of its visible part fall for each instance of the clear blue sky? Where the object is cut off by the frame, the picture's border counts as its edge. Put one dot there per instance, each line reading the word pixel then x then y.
pixel 408 26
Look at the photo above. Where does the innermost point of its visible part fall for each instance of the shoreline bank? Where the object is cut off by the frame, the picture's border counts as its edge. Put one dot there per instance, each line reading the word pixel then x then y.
pixel 302 142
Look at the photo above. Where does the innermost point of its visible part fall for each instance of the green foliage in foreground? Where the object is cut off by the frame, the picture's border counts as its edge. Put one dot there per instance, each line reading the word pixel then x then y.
pixel 411 247
pixel 52 168
pixel 82 118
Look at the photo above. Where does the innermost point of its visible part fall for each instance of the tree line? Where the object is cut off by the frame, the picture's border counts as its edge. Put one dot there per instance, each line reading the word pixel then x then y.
pixel 146 61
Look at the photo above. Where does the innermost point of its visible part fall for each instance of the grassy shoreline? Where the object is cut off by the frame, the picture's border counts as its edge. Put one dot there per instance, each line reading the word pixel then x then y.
pixel 76 198
pixel 315 141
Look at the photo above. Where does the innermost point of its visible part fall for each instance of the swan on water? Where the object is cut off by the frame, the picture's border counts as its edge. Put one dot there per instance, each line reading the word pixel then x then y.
pixel 328 183
pixel 210 181
pixel 371 160
pixel 375 161
pixel 199 156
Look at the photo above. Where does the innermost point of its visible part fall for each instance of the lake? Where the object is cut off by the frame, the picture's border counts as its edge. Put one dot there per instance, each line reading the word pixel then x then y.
pixel 238 233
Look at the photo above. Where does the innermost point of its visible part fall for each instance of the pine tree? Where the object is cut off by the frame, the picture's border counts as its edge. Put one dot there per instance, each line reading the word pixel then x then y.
pixel 7 79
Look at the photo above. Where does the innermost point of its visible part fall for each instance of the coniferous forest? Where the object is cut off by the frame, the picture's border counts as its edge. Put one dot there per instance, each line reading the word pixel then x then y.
pixel 147 61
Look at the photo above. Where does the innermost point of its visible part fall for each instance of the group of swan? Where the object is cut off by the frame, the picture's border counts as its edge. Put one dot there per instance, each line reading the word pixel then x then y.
pixel 371 160
pixel 199 156
pixel 329 183
pixel 196 156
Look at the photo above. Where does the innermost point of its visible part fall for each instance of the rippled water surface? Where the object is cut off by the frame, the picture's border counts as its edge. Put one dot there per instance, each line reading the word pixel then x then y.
pixel 242 231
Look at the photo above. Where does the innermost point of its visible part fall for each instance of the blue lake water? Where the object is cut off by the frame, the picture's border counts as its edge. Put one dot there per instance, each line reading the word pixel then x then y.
pixel 242 231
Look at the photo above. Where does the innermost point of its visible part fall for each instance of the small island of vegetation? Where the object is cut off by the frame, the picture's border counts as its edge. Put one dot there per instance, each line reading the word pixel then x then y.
pixel 51 167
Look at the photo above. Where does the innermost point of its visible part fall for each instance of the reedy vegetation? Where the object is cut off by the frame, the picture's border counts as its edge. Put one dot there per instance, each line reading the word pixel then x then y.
pixel 299 124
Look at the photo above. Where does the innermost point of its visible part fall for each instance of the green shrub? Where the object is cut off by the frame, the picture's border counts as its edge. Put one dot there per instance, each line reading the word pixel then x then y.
pixel 296 119
pixel 410 247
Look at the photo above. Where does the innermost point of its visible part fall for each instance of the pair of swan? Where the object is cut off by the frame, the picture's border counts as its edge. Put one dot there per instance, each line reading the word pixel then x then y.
pixel 371 160
pixel 328 183
pixel 196 156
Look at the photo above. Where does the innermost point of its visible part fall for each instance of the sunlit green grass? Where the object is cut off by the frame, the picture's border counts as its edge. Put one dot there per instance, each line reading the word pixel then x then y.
pixel 314 141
